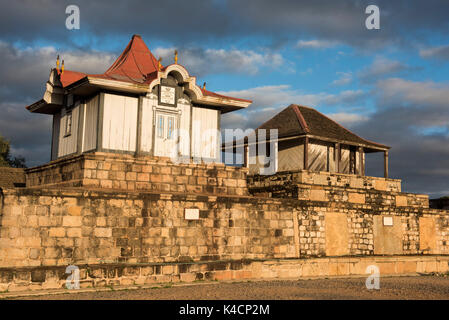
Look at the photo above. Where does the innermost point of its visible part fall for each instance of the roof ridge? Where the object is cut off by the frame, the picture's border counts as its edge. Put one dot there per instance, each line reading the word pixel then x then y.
pixel 299 116
pixel 322 114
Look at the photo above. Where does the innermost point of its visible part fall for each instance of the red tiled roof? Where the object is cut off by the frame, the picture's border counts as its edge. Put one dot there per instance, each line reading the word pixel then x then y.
pixel 213 94
pixel 136 64
pixel 68 77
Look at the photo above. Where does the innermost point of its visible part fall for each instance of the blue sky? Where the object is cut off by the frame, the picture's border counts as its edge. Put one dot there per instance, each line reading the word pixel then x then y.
pixel 389 85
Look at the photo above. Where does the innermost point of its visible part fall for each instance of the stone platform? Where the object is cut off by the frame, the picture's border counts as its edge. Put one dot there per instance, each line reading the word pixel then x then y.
pixel 127 172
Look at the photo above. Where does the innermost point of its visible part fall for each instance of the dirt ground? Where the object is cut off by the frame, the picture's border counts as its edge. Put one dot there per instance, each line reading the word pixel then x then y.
pixel 423 287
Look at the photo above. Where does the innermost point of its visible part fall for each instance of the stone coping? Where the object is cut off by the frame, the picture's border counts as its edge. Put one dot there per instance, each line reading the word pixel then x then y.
pixel 131 159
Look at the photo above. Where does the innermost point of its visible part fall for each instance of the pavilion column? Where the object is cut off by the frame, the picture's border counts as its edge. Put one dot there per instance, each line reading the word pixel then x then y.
pixel 361 165
pixel 245 156
pixel 337 155
pixel 139 127
pixel 306 153
pixel 386 163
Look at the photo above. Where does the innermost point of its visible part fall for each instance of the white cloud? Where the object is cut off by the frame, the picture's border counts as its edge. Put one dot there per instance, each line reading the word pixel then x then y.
pixel 380 67
pixel 348 119
pixel 441 52
pixel 316 44
pixel 345 78
pixel 200 61
pixel 269 96
pixel 269 100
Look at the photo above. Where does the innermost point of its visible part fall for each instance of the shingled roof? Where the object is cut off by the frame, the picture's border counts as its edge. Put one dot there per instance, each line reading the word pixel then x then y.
pixel 12 177
pixel 298 120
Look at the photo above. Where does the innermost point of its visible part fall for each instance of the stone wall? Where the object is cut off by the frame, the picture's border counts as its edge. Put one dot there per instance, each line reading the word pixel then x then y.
pixel 323 178
pixel 47 226
pixel 150 274
pixel 127 172
pixel 72 226
pixel 75 226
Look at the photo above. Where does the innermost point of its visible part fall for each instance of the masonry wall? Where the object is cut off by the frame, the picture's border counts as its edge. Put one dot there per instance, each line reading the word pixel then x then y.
pixel 127 172
pixel 73 226
pixel 286 216
pixel 54 227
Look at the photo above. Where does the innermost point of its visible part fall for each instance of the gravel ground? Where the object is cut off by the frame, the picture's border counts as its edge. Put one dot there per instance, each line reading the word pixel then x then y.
pixel 423 287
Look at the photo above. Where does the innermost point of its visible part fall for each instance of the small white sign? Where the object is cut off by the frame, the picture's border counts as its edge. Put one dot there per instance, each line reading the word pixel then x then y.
pixel 192 214
pixel 167 95
pixel 388 221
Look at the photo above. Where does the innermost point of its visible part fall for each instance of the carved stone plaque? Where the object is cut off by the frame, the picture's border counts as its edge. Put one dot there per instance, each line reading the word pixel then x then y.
pixel 167 95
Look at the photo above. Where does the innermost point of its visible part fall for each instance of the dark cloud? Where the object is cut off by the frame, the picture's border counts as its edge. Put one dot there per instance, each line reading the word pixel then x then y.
pixel 182 20
pixel 344 21
pixel 413 118
pixel 23 73
pixel 200 21
pixel 29 134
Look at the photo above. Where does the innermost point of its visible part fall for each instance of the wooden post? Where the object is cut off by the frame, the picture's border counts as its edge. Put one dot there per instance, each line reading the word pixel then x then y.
pixel 306 153
pixel 245 156
pixel 139 127
pixel 361 165
pixel 386 163
pixel 337 155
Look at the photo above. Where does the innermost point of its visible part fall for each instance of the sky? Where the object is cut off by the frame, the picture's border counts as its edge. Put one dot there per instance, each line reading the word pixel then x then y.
pixel 389 85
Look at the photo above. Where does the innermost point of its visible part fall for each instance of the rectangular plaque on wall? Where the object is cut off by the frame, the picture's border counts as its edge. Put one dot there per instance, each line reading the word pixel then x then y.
pixel 167 95
pixel 388 221
pixel 192 214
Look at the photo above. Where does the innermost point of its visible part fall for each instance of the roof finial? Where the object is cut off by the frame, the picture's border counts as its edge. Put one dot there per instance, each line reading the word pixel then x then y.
pixel 176 56
pixel 62 66
pixel 204 86
pixel 57 63
pixel 159 64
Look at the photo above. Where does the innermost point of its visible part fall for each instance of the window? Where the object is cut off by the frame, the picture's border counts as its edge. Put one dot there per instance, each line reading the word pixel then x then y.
pixel 68 124
pixel 160 126
pixel 170 128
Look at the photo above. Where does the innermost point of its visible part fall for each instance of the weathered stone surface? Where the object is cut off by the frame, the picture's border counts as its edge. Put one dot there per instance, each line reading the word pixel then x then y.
pixel 427 235
pixel 337 238
pixel 388 239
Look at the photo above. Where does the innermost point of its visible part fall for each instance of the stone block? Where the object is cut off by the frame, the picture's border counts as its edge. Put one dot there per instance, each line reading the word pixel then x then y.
pixel 387 239
pixel 427 235
pixel 72 221
pixel 103 232
pixel 401 201
pixel 74 210
pixel 337 235
pixel 355 197
pixel 57 232
pixel 317 195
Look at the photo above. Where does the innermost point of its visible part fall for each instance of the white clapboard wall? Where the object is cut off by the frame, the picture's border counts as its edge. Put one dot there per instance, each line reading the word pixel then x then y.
pixel 55 136
pixel 119 122
pixel 90 124
pixel 204 133
pixel 184 127
pixel 68 142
